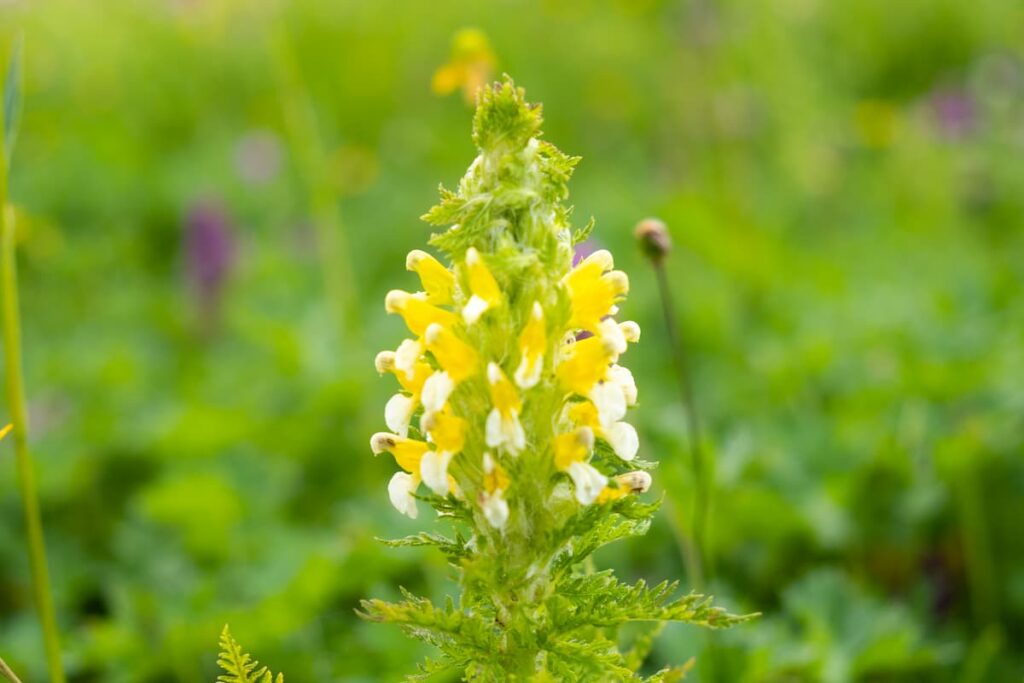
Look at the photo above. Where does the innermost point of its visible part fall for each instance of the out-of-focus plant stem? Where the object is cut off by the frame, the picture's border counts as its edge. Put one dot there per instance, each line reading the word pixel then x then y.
pixel 700 501
pixel 6 672
pixel 304 140
pixel 19 420
pixel 656 245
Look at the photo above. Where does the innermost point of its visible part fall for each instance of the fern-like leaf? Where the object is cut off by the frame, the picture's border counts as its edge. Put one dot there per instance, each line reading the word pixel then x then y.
pixel 239 666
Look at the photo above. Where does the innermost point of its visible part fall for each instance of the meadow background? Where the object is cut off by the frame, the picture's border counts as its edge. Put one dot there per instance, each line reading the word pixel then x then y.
pixel 213 198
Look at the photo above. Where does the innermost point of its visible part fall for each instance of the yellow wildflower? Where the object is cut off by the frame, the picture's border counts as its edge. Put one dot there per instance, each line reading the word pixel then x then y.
pixel 438 282
pixel 471 64
pixel 593 290
pixel 407 452
pixel 399 409
pixel 417 313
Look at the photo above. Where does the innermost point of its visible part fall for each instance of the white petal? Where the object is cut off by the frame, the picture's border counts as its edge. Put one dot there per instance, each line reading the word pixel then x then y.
pixel 623 439
pixel 624 378
pixel 400 490
pixel 409 351
pixel 589 482
pixel 493 433
pixel 611 333
pixel 397 413
pixel 514 433
pixel 495 509
pixel 610 401
pixel 436 390
pixel 528 374
pixel 434 468
pixel 473 309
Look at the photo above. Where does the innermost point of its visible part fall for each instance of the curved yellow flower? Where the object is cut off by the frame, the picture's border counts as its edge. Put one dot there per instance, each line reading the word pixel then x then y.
pixel 437 281
pixel 416 312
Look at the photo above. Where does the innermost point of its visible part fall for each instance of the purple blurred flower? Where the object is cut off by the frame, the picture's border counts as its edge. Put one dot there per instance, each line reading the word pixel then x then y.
pixel 585 249
pixel 954 111
pixel 209 253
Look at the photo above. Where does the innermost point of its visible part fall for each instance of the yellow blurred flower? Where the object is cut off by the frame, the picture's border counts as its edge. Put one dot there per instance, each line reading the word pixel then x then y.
pixel 471 64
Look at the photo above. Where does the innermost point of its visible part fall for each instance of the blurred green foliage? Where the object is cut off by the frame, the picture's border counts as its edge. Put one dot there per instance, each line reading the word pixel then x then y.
pixel 843 184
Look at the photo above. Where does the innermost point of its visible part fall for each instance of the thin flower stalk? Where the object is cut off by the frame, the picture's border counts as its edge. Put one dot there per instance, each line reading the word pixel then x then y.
pixel 15 385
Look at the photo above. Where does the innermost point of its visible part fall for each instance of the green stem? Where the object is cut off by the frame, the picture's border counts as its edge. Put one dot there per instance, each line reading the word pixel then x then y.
pixel 694 549
pixel 6 672
pixel 19 420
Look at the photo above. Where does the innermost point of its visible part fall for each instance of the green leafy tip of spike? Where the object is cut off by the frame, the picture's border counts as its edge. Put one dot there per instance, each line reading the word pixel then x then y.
pixel 239 666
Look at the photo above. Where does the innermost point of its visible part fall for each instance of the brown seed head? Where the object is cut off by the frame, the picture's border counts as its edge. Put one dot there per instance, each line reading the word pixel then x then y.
pixel 652 236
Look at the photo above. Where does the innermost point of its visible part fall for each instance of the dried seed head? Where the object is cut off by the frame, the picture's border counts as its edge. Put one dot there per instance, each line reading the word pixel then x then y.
pixel 653 238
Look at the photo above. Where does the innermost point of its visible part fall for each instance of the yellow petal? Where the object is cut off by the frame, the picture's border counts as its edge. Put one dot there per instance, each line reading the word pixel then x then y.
pixel 437 280
pixel 503 393
pixel 573 447
pixel 447 431
pixel 532 342
pixel 417 313
pixel 586 365
pixel 407 452
pixel 457 357
pixel 495 477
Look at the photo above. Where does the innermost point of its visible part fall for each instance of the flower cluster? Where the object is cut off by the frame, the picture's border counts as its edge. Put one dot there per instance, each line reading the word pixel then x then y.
pixel 508 355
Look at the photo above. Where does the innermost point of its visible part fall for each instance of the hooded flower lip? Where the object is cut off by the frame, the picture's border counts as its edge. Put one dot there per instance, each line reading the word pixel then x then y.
pixel 407 452
pixel 626 484
pixel 437 281
pixel 484 288
pixel 416 312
